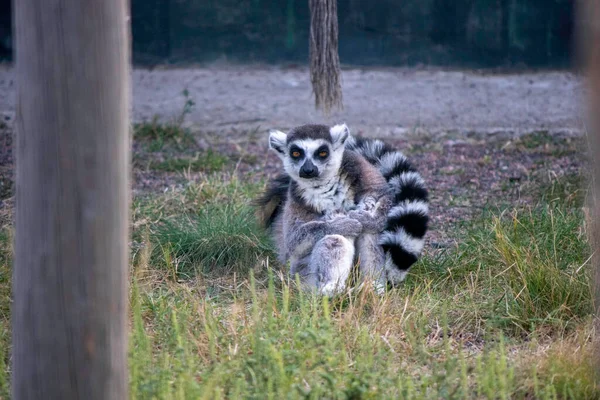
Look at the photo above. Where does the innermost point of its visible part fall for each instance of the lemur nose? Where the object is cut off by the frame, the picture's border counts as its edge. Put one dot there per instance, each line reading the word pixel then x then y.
pixel 308 170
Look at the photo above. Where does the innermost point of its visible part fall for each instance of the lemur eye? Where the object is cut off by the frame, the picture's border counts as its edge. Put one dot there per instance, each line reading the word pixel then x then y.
pixel 295 154
pixel 323 154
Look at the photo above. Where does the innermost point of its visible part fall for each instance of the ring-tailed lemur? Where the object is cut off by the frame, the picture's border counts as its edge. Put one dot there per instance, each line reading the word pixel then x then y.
pixel 335 197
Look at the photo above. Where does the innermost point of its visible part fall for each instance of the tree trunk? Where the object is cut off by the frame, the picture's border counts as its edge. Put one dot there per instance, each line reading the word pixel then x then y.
pixel 70 271
pixel 325 73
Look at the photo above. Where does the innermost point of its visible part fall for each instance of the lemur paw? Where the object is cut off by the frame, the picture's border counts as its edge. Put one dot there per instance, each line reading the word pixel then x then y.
pixel 367 204
pixel 370 204
pixel 331 289
pixel 372 222
pixel 379 287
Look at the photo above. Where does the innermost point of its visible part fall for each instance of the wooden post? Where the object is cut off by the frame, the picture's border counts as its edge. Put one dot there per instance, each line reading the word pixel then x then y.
pixel 72 211
pixel 588 36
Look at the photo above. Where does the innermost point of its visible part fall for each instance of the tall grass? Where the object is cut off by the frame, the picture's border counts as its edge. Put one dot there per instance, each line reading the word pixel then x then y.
pixel 526 269
pixel 5 303
pixel 219 238
pixel 206 228
pixel 267 340
pixel 505 314
pixel 545 259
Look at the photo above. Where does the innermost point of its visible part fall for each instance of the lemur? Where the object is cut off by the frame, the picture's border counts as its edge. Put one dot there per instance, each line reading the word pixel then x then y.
pixel 340 199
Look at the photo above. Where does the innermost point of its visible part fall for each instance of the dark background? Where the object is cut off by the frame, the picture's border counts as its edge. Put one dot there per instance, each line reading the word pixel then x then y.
pixel 455 33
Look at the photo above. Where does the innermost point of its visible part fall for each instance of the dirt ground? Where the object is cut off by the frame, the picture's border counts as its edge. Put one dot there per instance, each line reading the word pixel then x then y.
pixel 378 102
pixel 461 129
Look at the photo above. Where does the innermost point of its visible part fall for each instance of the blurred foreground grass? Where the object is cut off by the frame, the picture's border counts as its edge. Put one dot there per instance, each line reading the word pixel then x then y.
pixel 506 313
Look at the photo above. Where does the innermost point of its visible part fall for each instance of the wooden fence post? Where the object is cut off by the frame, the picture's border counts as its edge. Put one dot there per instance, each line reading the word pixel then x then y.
pixel 72 194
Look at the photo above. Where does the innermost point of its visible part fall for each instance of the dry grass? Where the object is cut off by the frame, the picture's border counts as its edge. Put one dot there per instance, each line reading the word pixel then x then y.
pixel 506 313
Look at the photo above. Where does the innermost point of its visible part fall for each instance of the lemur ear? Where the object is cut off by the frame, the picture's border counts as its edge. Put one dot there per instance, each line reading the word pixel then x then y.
pixel 339 134
pixel 277 141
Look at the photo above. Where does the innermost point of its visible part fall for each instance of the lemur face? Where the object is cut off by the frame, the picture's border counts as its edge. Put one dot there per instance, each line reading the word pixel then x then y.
pixel 310 153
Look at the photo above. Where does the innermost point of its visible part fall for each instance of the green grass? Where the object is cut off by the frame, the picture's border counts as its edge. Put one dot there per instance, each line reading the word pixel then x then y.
pixel 218 239
pixel 274 342
pixel 208 228
pixel 213 190
pixel 526 269
pixel 536 139
pixel 5 302
pixel 570 190
pixel 505 314
pixel 207 162
pixel 544 256
pixel 543 142
pixel 155 135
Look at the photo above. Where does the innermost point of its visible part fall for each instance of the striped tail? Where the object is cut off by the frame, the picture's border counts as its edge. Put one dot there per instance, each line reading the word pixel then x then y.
pixel 403 237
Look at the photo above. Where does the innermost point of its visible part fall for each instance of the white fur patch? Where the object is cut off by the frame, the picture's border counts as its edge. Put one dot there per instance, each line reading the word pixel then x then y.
pixel 401 238
pixel 389 161
pixel 339 133
pixel 409 207
pixel 405 179
pixel 325 198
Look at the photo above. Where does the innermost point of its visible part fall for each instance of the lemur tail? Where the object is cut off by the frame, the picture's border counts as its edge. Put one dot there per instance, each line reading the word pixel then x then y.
pixel 270 204
pixel 402 239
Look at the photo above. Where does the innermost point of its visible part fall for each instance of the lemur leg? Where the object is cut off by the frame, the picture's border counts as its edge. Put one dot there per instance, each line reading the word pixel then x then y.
pixel 372 260
pixel 307 273
pixel 332 258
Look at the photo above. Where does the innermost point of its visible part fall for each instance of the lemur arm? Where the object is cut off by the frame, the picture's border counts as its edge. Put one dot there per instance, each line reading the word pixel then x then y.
pixel 301 237
pixel 372 213
pixel 373 198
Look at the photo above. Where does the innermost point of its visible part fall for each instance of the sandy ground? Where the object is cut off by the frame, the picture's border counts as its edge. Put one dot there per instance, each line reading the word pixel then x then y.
pixel 378 102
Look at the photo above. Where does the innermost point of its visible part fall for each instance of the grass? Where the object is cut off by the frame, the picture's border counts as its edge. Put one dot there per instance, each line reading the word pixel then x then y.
pixel 205 229
pixel 5 301
pixel 569 189
pixel 219 239
pixel 156 134
pixel 530 267
pixel 6 188
pixel 505 314
pixel 543 142
pixel 208 162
